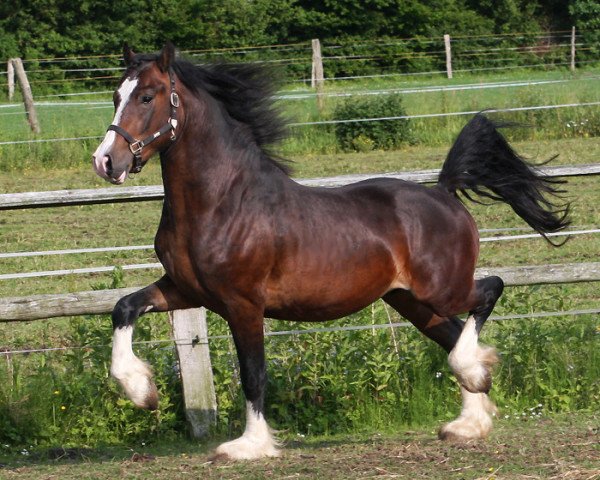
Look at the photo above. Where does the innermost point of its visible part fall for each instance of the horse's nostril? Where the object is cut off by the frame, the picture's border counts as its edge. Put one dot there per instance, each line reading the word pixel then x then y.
pixel 109 166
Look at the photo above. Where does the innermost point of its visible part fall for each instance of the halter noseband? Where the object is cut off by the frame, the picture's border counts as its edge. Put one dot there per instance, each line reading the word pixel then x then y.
pixel 136 146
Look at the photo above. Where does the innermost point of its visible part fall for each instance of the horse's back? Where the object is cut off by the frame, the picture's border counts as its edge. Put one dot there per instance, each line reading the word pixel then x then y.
pixel 428 211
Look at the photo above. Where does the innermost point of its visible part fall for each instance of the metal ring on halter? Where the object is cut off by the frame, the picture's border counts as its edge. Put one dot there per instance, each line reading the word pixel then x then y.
pixel 174 99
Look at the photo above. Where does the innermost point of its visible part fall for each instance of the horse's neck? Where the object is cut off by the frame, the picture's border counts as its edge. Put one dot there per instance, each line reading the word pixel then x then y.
pixel 201 168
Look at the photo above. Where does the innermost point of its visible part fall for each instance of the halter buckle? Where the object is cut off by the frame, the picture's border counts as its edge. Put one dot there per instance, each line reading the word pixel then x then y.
pixel 173 123
pixel 136 148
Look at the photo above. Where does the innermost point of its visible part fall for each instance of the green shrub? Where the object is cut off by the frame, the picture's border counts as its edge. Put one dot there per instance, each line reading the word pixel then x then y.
pixel 371 135
pixel 68 398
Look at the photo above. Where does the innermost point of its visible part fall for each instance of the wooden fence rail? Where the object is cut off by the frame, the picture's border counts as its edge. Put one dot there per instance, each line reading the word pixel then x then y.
pixel 56 198
pixel 37 307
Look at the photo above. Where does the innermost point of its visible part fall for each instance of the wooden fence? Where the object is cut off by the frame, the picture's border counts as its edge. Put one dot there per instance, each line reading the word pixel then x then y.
pixel 317 79
pixel 189 326
pixel 93 196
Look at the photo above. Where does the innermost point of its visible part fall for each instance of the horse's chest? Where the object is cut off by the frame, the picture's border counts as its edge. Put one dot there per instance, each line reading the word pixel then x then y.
pixel 185 260
pixel 173 249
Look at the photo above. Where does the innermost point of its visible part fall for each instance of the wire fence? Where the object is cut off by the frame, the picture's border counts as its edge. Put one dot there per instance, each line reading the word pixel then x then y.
pixel 330 94
pixel 410 56
pixel 279 333
pixel 156 265
pixel 353 120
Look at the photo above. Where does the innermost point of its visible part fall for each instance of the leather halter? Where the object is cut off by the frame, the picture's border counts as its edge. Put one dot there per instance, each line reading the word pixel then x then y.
pixel 136 146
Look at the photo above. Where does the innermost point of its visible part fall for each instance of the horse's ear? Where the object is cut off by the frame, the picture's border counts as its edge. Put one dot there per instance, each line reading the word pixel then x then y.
pixel 166 56
pixel 128 55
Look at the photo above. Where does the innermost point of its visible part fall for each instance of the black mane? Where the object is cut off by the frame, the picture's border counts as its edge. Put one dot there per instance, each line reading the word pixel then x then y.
pixel 246 92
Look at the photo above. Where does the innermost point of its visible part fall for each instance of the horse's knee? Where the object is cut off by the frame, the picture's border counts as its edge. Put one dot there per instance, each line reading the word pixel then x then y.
pixel 124 312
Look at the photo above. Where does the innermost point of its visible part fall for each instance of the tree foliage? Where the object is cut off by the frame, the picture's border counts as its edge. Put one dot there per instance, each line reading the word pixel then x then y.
pixel 54 28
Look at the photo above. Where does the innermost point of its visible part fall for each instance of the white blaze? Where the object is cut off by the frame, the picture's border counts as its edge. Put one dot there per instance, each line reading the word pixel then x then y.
pixel 125 91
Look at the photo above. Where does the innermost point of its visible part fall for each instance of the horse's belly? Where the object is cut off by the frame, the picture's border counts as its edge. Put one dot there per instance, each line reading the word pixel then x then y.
pixel 309 311
pixel 309 299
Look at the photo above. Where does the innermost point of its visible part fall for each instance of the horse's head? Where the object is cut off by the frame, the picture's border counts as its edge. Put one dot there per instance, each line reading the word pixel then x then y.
pixel 145 122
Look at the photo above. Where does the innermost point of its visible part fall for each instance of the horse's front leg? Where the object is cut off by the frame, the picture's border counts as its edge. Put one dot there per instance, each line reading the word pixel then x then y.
pixel 257 441
pixel 135 375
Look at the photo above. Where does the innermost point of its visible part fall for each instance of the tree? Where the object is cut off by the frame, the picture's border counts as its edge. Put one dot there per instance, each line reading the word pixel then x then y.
pixel 586 17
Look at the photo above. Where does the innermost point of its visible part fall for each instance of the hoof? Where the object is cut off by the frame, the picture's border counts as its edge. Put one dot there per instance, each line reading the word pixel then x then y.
pixel 461 431
pixel 245 448
pixel 475 420
pixel 256 442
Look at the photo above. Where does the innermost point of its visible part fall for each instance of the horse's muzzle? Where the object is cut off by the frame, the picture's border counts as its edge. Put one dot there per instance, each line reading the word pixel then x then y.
pixel 103 166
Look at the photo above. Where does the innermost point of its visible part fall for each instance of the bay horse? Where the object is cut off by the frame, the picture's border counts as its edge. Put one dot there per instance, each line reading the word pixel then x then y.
pixel 240 237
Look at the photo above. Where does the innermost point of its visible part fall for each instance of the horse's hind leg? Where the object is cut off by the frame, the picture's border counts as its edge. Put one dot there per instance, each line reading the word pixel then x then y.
pixel 471 363
pixel 456 337
pixel 135 375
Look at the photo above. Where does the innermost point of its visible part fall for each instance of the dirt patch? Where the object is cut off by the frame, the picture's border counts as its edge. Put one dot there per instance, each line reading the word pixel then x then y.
pixel 539 449
pixel 559 448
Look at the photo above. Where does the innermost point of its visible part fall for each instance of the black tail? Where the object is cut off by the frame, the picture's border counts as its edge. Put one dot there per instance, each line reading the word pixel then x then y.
pixel 481 160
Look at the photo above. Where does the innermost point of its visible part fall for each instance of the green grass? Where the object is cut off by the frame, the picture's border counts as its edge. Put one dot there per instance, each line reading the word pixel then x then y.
pixel 82 121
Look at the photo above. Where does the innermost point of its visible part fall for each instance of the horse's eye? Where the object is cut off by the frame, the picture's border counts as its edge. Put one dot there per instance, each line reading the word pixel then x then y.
pixel 147 98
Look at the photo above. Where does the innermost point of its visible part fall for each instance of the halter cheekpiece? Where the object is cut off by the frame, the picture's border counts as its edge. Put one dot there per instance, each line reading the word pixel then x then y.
pixel 136 146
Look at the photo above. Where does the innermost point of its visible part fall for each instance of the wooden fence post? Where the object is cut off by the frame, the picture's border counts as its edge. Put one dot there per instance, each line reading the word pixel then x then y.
pixel 573 49
pixel 317 80
pixel 448 55
pixel 10 73
pixel 27 95
pixel 191 341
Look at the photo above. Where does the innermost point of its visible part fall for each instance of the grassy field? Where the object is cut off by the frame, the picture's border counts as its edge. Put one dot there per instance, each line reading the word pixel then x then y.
pixel 560 447
pixel 553 363
pixel 467 92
